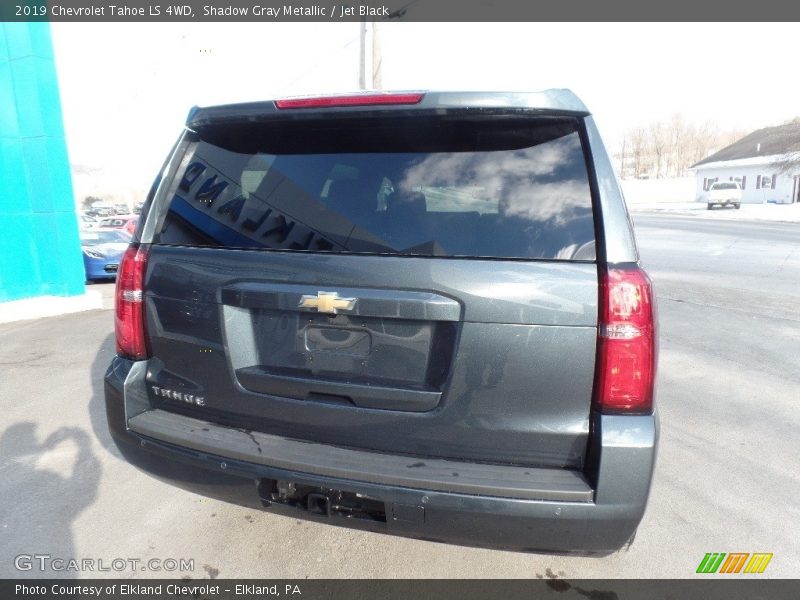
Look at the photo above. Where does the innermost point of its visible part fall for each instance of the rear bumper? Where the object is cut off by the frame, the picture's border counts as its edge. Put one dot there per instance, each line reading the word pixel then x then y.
pixel 495 506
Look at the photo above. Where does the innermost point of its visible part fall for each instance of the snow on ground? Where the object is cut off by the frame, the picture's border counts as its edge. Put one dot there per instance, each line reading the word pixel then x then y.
pixel 789 213
pixel 677 196
pixel 647 191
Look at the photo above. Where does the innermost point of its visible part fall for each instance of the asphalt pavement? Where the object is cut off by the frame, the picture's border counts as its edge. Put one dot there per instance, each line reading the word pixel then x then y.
pixel 727 477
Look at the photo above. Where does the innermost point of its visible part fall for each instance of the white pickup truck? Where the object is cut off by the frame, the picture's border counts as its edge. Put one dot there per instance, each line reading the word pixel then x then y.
pixel 725 193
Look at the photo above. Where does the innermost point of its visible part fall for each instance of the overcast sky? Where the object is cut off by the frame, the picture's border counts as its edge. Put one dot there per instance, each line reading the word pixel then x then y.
pixel 126 88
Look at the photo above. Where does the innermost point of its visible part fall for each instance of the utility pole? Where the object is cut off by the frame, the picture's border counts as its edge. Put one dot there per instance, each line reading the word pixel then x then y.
pixel 362 56
pixel 370 73
pixel 377 59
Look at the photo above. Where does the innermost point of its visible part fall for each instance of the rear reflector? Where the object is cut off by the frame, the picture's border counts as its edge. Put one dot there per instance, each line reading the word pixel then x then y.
pixel 627 349
pixel 353 100
pixel 129 304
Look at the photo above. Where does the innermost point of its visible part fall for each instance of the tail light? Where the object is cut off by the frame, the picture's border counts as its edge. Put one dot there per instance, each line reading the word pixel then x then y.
pixel 627 345
pixel 351 100
pixel 129 304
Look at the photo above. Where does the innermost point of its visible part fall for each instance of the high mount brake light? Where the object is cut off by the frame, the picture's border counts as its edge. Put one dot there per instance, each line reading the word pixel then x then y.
pixel 351 100
pixel 627 349
pixel 129 304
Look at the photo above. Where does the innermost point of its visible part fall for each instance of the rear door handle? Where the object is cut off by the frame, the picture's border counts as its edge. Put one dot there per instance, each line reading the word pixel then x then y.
pixel 261 380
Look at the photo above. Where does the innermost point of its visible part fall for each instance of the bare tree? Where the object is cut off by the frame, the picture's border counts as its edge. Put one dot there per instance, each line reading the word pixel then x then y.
pixel 676 135
pixel 703 140
pixel 658 138
pixel 789 163
pixel 89 200
pixel 668 148
pixel 638 138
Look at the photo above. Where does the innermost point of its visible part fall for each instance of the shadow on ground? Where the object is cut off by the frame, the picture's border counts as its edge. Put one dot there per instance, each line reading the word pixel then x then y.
pixel 43 493
pixel 97 408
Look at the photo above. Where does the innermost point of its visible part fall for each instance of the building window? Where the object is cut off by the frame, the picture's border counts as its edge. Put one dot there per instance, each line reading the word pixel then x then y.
pixel 766 182
pixel 744 181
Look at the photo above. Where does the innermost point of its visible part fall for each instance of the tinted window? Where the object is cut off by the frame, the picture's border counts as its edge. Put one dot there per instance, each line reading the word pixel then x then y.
pixel 514 188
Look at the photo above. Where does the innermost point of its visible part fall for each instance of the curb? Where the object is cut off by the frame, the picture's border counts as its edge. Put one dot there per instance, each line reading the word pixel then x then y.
pixel 49 306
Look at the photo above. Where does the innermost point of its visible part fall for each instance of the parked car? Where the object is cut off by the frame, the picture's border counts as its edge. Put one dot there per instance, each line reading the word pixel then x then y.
pixel 101 209
pixel 125 222
pixel 86 221
pixel 102 252
pixel 415 313
pixel 130 226
pixel 725 193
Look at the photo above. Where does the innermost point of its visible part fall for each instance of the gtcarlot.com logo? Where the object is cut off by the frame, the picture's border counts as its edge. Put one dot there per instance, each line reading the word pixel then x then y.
pixel 47 562
pixel 734 562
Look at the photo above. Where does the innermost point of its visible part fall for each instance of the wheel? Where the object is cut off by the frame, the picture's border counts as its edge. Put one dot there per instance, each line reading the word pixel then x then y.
pixel 710 206
pixel 737 206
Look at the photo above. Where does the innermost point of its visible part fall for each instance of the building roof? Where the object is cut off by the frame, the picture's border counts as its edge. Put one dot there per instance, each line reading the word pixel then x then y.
pixel 767 142
pixel 753 161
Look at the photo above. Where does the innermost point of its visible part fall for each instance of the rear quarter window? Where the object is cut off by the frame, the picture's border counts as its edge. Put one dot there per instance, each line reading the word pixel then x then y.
pixel 494 188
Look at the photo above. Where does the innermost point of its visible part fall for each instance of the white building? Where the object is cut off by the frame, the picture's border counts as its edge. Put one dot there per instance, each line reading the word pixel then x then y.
pixel 758 162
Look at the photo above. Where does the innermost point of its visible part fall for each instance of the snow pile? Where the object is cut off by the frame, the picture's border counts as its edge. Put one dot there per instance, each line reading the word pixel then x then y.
pixel 789 213
pixel 646 191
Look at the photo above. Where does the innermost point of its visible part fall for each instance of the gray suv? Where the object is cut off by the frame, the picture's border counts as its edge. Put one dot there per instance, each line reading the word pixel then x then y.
pixel 415 313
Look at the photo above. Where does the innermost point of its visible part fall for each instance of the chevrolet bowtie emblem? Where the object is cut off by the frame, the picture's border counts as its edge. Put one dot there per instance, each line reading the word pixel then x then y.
pixel 327 302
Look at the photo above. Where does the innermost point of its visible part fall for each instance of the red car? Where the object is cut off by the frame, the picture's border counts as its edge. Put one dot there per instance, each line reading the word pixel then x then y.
pixel 126 222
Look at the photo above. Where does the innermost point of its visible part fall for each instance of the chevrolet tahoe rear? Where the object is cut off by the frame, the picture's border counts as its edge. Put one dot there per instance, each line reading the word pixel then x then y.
pixel 415 313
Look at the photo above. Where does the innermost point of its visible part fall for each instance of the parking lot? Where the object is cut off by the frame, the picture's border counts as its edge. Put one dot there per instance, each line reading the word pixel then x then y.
pixel 727 478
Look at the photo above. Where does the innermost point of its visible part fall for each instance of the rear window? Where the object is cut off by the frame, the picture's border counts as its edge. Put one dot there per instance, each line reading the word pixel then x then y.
pixel 724 186
pixel 499 187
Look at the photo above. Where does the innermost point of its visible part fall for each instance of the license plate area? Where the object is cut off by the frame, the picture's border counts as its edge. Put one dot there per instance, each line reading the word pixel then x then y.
pixel 345 341
pixel 341 346
pixel 391 350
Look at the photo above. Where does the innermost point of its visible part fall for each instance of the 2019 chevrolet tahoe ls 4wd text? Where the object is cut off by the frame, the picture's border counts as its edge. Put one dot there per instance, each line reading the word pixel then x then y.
pixel 415 313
